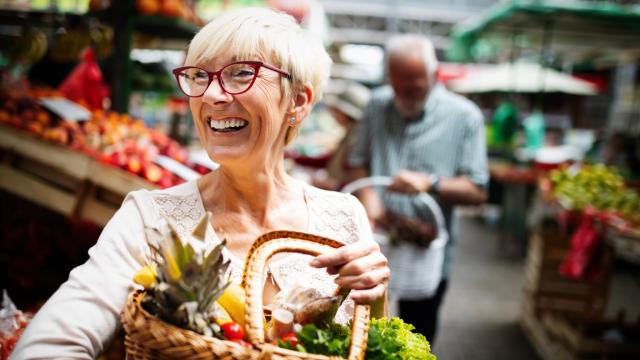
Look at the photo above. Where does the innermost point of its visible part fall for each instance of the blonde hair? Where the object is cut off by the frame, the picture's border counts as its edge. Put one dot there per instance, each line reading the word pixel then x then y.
pixel 276 38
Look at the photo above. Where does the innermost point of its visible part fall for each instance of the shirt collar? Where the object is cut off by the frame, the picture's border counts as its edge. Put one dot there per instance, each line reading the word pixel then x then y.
pixel 429 105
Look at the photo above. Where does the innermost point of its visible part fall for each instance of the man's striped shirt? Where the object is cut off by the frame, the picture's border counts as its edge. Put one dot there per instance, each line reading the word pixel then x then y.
pixel 447 140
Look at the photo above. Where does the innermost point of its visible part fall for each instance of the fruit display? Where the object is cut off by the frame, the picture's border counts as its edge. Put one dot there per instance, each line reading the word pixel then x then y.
pixel 112 138
pixel 598 186
pixel 67 46
pixel 181 9
pixel 170 8
pixel 28 48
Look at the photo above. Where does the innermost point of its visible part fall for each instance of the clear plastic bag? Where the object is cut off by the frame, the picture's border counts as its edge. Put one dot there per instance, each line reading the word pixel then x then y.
pixel 12 324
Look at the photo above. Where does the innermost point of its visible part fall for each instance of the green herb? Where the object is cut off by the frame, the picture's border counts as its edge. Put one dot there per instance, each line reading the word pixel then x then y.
pixel 332 339
pixel 389 339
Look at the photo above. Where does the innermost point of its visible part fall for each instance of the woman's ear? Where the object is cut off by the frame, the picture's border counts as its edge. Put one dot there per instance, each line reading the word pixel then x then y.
pixel 301 104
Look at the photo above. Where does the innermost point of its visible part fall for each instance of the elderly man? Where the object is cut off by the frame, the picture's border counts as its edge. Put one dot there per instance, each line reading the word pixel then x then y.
pixel 429 140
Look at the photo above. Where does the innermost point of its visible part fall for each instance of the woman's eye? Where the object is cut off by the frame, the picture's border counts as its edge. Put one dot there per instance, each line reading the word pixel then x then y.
pixel 243 73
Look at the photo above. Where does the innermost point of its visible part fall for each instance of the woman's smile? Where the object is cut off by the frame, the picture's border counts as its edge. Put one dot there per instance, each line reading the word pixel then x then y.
pixel 226 125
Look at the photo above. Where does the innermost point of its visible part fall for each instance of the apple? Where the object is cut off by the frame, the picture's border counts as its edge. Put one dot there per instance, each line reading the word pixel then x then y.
pixel 153 172
pixel 134 165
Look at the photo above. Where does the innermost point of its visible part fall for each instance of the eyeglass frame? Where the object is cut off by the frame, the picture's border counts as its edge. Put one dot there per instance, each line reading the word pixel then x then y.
pixel 255 64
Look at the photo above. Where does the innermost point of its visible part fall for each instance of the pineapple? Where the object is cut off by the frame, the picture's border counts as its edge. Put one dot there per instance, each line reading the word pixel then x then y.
pixel 188 281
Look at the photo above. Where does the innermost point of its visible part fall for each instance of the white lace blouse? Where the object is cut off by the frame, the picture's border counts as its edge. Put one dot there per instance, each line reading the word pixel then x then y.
pixel 84 313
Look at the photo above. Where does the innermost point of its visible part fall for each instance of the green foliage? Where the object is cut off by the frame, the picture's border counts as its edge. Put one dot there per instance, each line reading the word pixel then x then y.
pixel 389 339
pixel 333 339
pixel 596 185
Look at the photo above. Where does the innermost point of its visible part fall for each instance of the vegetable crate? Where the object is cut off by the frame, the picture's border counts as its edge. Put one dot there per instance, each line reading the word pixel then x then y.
pixel 595 338
pixel 559 336
pixel 546 289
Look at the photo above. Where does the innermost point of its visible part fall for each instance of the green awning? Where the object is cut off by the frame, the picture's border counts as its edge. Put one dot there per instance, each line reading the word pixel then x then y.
pixel 577 30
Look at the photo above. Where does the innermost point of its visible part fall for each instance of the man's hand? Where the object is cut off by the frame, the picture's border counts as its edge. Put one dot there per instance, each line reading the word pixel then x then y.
pixel 410 182
pixel 360 267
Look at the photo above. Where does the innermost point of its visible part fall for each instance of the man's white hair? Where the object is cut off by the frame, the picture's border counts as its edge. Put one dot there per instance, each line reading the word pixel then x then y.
pixel 405 44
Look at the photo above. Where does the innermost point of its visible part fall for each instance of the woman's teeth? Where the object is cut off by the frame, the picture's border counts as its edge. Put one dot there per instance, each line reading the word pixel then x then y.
pixel 227 125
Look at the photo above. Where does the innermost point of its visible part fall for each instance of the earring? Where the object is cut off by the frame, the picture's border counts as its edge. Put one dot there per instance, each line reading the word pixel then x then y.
pixel 293 120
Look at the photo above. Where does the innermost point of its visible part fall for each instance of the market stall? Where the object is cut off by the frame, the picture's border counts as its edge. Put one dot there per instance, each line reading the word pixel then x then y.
pixel 582 213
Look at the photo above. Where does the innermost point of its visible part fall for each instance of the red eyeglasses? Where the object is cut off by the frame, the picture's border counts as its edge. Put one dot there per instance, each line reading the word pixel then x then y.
pixel 235 78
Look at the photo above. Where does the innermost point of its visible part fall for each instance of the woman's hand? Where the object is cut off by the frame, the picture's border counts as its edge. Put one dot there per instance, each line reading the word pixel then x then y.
pixel 360 267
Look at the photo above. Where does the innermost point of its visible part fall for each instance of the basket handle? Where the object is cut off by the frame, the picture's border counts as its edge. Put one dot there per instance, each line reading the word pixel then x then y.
pixel 385 181
pixel 272 243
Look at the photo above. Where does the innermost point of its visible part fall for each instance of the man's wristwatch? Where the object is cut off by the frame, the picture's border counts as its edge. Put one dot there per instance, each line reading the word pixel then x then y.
pixel 434 188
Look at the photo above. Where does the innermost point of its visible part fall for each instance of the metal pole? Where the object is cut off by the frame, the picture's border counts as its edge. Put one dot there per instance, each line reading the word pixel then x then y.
pixel 123 18
pixel 544 54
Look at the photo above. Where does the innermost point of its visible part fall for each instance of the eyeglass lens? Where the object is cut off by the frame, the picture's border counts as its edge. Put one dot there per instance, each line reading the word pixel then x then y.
pixel 235 78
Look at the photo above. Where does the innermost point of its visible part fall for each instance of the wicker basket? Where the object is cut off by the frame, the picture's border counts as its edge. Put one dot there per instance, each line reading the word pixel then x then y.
pixel 148 337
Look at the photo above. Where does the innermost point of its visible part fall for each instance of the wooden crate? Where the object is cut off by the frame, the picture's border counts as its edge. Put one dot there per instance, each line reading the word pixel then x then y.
pixel 546 289
pixel 557 336
pixel 594 338
pixel 60 179
pixel 546 346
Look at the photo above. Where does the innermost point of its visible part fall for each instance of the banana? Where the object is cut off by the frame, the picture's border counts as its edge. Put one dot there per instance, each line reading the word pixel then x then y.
pixel 146 277
pixel 232 300
pixel 222 316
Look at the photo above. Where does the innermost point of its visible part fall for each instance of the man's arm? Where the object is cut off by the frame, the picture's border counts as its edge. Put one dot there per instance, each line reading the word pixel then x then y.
pixel 456 190
pixel 472 175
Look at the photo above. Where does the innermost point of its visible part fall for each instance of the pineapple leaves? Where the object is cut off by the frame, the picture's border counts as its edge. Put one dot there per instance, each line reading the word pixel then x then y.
pixel 183 252
pixel 189 278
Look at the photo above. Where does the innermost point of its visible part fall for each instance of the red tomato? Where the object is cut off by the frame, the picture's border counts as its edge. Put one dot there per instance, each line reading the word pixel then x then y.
pixel 291 338
pixel 7 347
pixel 232 331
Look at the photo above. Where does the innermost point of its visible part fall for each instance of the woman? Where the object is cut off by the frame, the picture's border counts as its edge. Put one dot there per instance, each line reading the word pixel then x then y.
pixel 252 76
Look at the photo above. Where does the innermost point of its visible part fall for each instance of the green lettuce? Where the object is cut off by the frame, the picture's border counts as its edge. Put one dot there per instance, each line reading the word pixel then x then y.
pixel 389 339
pixel 393 339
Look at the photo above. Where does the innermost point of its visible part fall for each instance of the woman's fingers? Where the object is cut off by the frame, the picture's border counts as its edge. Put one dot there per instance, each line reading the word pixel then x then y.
pixel 345 254
pixel 369 295
pixel 363 264
pixel 360 267
pixel 366 280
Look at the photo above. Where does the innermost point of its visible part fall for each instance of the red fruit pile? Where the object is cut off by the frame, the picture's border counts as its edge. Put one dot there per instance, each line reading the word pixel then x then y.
pixel 112 138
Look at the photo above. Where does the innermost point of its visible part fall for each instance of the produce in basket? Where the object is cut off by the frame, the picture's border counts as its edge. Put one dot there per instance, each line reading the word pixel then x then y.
pixel 189 287
pixel 389 339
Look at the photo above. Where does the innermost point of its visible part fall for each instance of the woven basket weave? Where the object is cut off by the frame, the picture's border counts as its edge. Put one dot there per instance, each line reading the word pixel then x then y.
pixel 148 337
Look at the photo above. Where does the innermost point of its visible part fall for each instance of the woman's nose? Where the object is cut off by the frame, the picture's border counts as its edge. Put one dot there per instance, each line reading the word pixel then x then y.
pixel 215 94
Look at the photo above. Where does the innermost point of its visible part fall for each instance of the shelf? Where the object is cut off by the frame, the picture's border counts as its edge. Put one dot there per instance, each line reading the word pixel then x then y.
pixel 65 181
pixel 165 27
pixel 154 25
pixel 35 17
